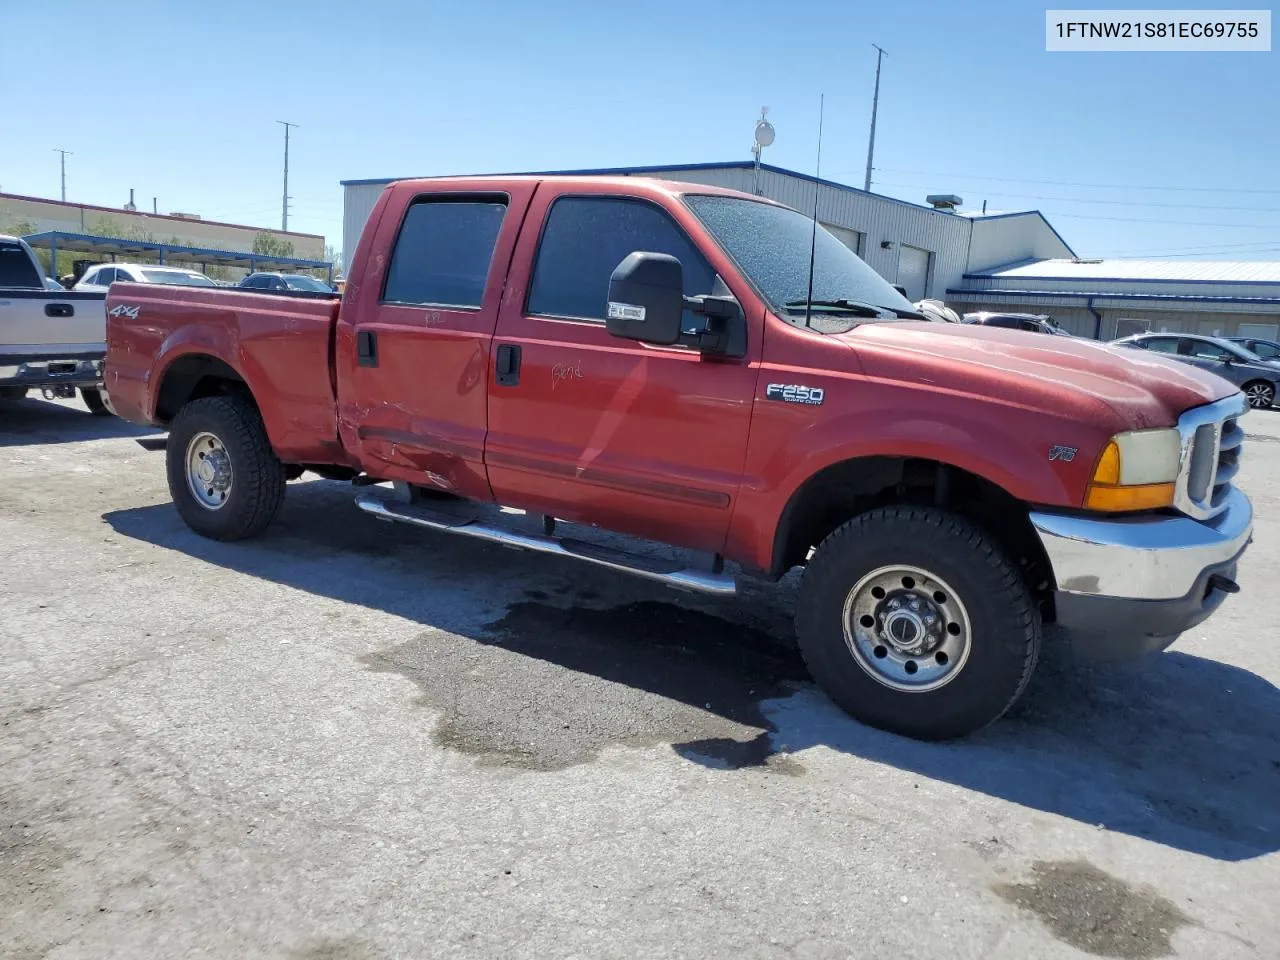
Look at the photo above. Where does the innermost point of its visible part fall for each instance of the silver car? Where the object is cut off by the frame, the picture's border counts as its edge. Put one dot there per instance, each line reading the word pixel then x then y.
pixel 1258 378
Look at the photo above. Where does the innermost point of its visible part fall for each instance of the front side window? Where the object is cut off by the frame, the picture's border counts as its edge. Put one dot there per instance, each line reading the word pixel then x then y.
pixel 1205 351
pixel 771 245
pixel 443 252
pixel 584 240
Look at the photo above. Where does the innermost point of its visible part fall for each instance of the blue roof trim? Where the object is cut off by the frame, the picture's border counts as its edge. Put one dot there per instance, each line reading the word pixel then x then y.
pixel 677 167
pixel 1027 213
pixel 1104 295
pixel 1061 279
pixel 51 236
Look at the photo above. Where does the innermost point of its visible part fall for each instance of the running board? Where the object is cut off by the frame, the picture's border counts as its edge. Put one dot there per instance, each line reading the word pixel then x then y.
pixel 650 568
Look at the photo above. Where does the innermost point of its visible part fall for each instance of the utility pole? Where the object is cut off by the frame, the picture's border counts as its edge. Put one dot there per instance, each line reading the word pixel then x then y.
pixel 284 202
pixel 64 170
pixel 875 103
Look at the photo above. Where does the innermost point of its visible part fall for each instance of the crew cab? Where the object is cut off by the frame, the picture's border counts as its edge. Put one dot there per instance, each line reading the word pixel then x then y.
pixel 50 338
pixel 700 368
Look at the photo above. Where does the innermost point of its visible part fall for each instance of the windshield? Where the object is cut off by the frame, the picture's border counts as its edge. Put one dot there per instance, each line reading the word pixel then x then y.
pixel 179 277
pixel 770 245
pixel 299 282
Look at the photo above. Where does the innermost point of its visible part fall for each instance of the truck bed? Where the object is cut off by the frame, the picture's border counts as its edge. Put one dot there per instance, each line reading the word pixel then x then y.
pixel 161 341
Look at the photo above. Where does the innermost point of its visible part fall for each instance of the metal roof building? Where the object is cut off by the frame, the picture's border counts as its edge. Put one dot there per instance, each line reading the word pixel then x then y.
pixel 1113 298
pixel 926 250
pixel 1004 261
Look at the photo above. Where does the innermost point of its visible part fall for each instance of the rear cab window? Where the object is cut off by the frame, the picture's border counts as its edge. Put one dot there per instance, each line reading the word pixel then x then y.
pixel 16 268
pixel 583 241
pixel 444 250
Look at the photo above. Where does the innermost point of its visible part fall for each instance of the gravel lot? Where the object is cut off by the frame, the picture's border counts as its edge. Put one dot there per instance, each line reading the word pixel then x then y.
pixel 355 741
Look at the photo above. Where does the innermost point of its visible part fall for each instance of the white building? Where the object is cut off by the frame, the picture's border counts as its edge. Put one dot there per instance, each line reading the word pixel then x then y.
pixel 1106 299
pixel 925 250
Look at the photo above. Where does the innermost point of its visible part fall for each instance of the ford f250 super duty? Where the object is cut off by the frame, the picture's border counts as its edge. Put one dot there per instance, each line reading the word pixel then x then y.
pixel 50 339
pixel 701 368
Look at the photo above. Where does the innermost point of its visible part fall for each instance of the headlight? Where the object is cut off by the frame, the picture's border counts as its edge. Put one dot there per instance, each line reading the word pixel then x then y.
pixel 1137 471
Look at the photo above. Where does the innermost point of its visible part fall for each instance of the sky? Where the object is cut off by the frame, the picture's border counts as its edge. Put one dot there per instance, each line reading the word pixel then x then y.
pixel 1127 154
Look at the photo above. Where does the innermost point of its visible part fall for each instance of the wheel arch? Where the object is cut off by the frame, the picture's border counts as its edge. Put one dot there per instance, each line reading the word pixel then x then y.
pixel 846 488
pixel 192 376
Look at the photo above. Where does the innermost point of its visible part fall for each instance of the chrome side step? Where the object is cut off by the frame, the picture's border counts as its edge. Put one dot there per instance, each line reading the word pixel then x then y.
pixel 651 569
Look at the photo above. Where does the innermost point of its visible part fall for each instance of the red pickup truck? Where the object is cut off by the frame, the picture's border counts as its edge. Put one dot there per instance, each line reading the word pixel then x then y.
pixel 704 369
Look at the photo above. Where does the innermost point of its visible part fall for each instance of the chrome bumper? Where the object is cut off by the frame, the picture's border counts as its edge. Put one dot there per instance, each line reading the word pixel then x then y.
pixel 1142 558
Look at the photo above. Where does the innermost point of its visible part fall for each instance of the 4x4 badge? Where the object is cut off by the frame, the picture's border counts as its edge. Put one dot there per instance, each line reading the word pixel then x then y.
pixel 1062 452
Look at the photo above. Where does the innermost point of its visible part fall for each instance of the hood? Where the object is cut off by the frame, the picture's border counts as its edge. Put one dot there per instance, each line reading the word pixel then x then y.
pixel 1069 376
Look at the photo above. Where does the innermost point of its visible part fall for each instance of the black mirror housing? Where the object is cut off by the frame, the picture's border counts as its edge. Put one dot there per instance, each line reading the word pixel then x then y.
pixel 646 298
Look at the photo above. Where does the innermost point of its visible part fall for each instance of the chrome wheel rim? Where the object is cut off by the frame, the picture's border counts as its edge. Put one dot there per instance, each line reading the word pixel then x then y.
pixel 907 628
pixel 209 472
pixel 1260 395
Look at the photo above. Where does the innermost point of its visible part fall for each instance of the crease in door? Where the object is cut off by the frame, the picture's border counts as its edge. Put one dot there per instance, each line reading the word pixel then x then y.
pixel 612 415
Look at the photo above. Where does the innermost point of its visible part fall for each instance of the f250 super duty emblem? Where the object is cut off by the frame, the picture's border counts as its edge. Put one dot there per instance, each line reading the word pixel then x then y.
pixel 1062 452
pixel 795 393
pixel 125 310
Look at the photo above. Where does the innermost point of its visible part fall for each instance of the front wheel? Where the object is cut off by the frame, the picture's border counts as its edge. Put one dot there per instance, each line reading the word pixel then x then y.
pixel 914 620
pixel 1260 394
pixel 224 478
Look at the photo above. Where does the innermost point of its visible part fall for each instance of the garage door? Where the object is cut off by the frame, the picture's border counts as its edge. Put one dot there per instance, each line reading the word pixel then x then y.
pixel 850 238
pixel 913 271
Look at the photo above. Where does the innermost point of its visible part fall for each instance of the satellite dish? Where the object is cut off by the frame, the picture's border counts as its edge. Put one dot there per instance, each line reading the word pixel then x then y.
pixel 764 133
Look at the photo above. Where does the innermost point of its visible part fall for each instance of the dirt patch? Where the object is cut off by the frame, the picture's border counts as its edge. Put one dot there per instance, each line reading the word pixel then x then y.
pixel 343 949
pixel 1096 912
pixel 548 687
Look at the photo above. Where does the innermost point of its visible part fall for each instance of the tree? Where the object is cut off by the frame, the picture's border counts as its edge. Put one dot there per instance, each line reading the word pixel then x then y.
pixel 269 246
pixel 17 228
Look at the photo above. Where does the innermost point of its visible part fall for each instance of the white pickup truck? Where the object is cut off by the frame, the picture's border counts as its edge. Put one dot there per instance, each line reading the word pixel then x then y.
pixel 53 339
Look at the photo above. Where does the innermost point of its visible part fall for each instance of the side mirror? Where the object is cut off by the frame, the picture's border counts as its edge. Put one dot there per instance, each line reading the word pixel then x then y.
pixel 646 298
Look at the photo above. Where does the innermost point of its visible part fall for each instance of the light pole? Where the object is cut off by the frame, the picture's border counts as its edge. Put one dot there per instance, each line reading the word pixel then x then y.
pixel 875 103
pixel 284 201
pixel 64 170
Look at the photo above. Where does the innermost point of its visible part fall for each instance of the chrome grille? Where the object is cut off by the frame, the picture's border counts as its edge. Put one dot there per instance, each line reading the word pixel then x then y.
pixel 1212 440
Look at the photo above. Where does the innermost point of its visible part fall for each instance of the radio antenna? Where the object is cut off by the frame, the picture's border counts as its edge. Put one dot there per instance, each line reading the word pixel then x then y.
pixel 813 240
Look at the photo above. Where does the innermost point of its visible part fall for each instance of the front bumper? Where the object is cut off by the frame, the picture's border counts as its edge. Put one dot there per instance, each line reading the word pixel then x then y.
pixel 1129 586
pixel 50 371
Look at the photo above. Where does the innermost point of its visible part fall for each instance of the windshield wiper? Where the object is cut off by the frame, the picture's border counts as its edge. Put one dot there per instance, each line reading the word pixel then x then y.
pixel 858 308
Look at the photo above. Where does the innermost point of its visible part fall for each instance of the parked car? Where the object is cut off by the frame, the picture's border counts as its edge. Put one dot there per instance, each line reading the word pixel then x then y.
pixel 1263 349
pixel 290 282
pixel 102 276
pixel 1258 378
pixel 937 311
pixel 1031 322
pixel 671 362
pixel 49 339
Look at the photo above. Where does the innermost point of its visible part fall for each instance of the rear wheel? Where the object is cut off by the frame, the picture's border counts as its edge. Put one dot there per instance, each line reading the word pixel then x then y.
pixel 223 476
pixel 92 398
pixel 1260 394
pixel 913 620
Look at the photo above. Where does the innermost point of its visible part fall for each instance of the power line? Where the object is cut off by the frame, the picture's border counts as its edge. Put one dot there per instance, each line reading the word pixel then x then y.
pixel 284 203
pixel 1180 223
pixel 1117 203
pixel 1062 183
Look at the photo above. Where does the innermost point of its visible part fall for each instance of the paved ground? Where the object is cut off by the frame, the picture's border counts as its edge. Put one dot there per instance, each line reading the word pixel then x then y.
pixel 354 741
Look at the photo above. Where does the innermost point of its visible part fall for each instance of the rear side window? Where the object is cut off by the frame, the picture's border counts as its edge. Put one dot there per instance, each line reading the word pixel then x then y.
pixel 585 239
pixel 1163 345
pixel 106 276
pixel 443 253
pixel 1267 351
pixel 1006 323
pixel 16 268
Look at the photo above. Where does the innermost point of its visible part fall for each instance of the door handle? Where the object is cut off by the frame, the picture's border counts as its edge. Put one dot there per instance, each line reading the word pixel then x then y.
pixel 507 372
pixel 59 310
pixel 367 348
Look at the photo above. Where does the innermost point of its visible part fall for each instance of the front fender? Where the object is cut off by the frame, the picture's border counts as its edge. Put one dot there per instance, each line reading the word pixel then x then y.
pixel 1003 443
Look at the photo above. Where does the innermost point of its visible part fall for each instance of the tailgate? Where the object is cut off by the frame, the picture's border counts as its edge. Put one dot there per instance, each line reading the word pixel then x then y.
pixel 41 322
